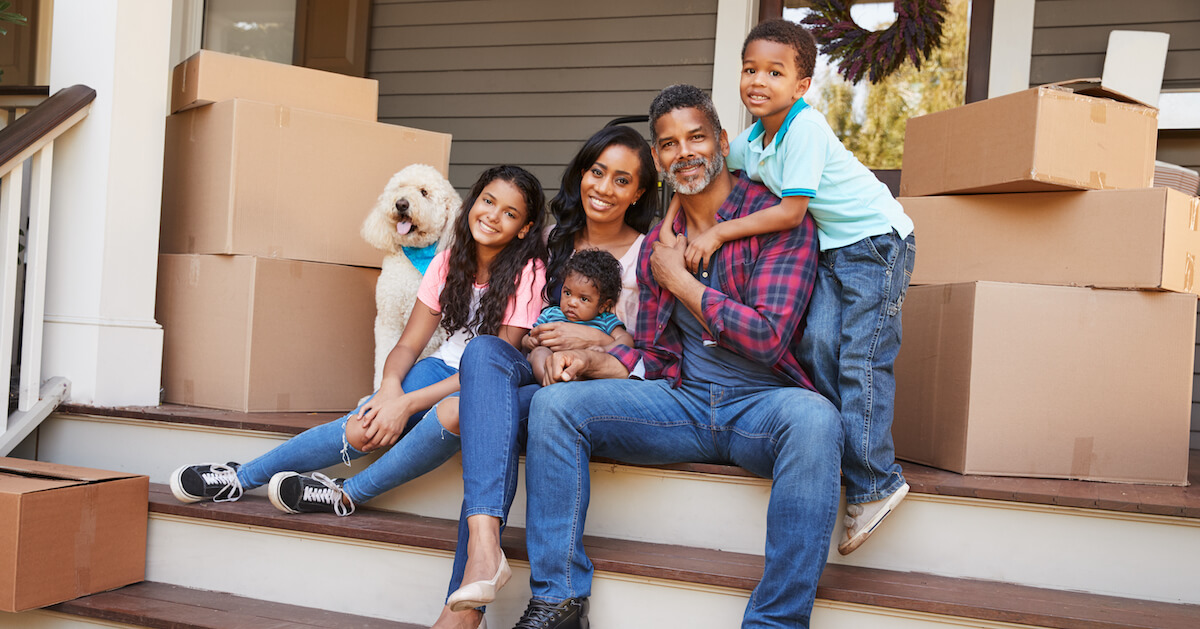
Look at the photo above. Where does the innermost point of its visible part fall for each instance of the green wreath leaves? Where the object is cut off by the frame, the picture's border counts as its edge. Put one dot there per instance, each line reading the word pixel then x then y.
pixel 916 32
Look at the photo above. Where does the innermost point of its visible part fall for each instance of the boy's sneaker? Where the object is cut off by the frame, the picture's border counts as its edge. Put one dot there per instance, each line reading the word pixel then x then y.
pixel 296 493
pixel 207 481
pixel 862 519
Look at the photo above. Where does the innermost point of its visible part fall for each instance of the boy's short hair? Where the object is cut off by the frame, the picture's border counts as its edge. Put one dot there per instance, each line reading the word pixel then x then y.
pixel 601 269
pixel 791 34
pixel 682 96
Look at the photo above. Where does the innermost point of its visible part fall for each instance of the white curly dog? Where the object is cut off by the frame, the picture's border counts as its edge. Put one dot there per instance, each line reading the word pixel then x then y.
pixel 411 221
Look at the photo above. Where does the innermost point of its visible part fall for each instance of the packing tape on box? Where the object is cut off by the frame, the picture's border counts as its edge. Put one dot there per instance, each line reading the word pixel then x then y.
pixel 1096 180
pixel 1081 458
pixel 1100 112
pixel 1193 210
pixel 296 270
pixel 1189 270
pixel 283 116
pixel 85 540
pixel 193 277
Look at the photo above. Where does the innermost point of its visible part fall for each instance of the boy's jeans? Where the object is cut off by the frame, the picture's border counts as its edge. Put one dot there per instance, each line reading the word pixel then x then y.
pixel 849 346
pixel 424 446
pixel 788 434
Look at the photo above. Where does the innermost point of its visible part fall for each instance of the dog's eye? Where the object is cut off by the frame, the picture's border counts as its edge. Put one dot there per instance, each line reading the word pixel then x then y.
pixel 424 192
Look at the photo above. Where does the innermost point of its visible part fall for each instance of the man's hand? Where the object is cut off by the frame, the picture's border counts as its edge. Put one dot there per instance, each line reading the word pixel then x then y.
pixel 581 364
pixel 668 265
pixel 701 250
pixel 564 335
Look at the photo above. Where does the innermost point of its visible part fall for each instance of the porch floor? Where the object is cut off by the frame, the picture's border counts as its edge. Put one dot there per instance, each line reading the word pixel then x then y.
pixel 1147 499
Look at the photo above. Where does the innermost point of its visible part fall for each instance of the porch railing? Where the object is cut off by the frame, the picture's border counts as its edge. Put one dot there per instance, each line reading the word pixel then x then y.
pixel 27 143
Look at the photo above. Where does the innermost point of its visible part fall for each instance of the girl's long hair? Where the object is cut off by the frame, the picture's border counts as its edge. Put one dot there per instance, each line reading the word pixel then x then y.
pixel 505 268
pixel 567 205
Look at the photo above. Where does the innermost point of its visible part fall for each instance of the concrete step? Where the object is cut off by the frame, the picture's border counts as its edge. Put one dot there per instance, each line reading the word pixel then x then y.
pixel 1040 533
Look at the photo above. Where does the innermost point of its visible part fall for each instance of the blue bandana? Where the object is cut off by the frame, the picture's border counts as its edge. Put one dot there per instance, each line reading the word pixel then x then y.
pixel 421 258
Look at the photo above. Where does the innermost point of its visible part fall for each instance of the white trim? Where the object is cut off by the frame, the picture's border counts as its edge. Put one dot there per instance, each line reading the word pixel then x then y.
pixel 1012 47
pixel 187 29
pixel 103 322
pixel 45 27
pixel 735 18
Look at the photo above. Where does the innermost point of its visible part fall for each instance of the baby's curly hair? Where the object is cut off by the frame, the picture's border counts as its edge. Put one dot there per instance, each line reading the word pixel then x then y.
pixel 791 34
pixel 602 270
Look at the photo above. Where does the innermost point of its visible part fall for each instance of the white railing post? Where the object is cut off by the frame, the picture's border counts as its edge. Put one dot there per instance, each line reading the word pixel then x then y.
pixel 36 241
pixel 10 221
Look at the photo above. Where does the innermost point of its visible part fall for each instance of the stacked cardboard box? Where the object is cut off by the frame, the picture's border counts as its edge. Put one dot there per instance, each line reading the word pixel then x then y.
pixel 266 289
pixel 1018 358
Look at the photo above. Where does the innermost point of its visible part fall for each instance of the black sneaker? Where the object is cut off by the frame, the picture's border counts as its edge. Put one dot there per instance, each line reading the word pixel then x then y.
pixel 569 614
pixel 207 481
pixel 295 493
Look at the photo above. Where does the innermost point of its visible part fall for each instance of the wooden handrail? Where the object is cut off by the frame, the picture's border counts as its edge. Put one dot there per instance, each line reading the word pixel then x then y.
pixel 29 132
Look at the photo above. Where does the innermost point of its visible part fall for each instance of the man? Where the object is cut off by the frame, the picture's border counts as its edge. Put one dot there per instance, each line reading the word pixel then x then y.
pixel 723 334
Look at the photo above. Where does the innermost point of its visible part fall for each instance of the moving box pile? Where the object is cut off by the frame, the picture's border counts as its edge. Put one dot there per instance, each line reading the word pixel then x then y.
pixel 1050 327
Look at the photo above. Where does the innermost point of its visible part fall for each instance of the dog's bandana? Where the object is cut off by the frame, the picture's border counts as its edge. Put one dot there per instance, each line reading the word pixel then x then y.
pixel 421 258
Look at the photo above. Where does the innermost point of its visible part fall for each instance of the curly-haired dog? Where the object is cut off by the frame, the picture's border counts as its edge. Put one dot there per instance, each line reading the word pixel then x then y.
pixel 409 222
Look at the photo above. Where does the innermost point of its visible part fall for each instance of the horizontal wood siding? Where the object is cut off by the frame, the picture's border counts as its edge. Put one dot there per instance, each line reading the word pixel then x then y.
pixel 527 81
pixel 1071 36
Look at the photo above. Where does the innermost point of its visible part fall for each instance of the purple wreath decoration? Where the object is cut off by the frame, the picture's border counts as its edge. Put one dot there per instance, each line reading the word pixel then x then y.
pixel 915 34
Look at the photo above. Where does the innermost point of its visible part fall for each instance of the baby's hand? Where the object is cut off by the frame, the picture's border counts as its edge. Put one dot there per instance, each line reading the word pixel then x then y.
pixel 701 249
pixel 528 342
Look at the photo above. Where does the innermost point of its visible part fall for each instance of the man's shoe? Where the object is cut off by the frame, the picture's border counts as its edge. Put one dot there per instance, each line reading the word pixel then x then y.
pixel 863 519
pixel 569 614
pixel 295 493
pixel 206 481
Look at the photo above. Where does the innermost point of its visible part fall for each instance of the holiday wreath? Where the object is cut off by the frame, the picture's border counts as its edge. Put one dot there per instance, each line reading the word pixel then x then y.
pixel 913 36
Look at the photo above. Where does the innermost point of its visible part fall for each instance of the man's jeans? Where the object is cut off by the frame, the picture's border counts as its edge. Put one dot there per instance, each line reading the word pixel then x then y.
pixel 787 434
pixel 849 346
pixel 424 446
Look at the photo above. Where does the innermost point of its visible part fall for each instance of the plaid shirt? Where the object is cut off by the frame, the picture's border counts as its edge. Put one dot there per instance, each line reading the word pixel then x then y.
pixel 766 282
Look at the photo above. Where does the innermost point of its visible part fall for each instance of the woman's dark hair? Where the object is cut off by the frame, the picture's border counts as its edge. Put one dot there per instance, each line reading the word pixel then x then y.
pixel 601 269
pixel 504 271
pixel 567 205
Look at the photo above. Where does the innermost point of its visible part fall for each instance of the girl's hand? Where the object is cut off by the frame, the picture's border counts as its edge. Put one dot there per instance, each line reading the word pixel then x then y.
pixel 383 419
pixel 701 249
pixel 563 336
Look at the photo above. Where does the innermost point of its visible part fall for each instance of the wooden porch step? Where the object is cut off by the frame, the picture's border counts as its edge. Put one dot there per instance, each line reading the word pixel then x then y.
pixel 1145 499
pixel 903 591
pixel 163 606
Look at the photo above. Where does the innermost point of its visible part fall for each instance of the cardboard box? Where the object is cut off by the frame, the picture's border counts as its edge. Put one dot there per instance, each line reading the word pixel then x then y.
pixel 258 334
pixel 1046 381
pixel 67 532
pixel 210 77
pixel 1143 239
pixel 243 177
pixel 1041 139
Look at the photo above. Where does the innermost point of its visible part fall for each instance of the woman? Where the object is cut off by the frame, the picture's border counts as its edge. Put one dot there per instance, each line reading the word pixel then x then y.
pixel 607 201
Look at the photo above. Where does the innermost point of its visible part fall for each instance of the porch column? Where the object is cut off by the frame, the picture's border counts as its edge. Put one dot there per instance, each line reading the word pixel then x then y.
pixel 100 330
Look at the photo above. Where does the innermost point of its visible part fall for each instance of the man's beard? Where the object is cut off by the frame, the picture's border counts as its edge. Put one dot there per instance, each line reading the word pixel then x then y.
pixel 699 183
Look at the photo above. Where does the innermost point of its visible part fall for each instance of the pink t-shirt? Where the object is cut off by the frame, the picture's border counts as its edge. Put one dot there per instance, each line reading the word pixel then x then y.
pixel 522 311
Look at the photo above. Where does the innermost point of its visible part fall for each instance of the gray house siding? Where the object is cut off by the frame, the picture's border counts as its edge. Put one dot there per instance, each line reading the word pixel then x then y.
pixel 1069 41
pixel 526 81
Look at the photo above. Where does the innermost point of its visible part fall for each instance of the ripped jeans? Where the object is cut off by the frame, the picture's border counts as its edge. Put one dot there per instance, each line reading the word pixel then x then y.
pixel 424 446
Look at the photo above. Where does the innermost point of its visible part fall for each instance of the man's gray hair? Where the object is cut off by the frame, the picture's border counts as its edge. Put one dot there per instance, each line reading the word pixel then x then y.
pixel 679 97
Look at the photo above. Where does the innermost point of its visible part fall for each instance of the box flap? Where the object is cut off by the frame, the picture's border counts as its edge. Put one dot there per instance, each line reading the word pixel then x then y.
pixel 17 484
pixel 25 467
pixel 1095 88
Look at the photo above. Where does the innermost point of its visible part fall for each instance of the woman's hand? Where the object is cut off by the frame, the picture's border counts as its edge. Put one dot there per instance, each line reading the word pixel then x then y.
pixel 383 419
pixel 562 336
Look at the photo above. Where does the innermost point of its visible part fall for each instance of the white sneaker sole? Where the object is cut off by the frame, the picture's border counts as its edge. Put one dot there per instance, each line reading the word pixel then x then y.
pixel 273 491
pixel 890 504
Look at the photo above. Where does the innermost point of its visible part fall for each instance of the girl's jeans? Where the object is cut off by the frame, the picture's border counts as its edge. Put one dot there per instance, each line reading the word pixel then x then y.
pixel 423 447
pixel 849 347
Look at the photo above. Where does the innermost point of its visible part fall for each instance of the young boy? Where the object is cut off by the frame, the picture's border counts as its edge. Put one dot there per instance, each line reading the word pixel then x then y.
pixel 591 286
pixel 852 334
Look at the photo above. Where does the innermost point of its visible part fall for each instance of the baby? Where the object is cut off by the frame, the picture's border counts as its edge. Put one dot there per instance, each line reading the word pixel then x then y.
pixel 591 286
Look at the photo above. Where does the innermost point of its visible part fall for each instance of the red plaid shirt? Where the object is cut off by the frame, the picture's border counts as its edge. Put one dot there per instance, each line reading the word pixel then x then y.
pixel 766 282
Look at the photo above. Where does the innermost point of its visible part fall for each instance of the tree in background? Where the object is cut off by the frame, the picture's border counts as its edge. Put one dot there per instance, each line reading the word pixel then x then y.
pixel 874 132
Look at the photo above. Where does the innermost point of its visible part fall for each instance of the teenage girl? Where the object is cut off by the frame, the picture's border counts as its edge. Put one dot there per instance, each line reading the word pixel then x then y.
pixel 489 281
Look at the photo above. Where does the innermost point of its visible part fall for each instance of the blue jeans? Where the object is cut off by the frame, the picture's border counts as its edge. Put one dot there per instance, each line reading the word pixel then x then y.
pixel 496 385
pixel 424 446
pixel 848 348
pixel 788 434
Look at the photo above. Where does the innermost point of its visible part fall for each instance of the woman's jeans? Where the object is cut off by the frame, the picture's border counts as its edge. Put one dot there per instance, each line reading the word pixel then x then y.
pixel 849 346
pixel 423 447
pixel 496 385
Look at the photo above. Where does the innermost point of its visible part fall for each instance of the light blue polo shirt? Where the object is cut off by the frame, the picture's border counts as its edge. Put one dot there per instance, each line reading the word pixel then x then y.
pixel 806 159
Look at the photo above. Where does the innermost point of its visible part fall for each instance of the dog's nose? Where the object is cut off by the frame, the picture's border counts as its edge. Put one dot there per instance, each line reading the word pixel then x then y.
pixel 402 206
